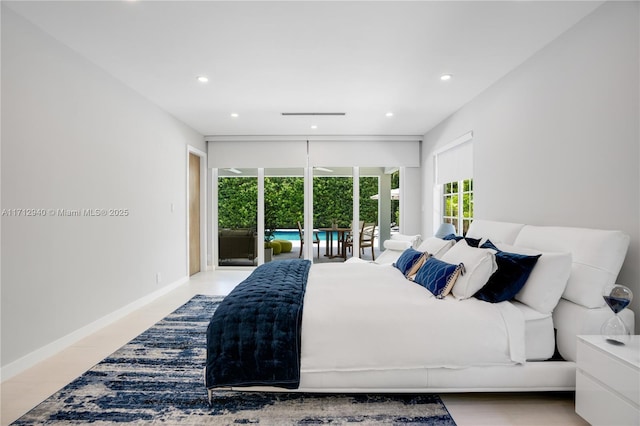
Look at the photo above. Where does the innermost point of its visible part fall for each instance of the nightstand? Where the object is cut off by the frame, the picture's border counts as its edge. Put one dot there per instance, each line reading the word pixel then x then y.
pixel 608 381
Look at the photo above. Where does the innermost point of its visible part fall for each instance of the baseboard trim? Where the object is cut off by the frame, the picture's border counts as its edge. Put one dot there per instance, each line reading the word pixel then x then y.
pixel 22 364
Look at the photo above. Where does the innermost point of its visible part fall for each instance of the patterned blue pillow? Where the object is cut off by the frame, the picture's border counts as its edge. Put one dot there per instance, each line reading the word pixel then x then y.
pixel 407 259
pixel 438 277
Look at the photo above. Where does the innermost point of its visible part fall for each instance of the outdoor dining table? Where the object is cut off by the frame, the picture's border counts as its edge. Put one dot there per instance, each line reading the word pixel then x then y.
pixel 341 238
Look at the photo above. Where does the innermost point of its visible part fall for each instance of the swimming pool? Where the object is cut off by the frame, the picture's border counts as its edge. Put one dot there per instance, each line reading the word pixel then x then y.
pixel 294 235
pixel 284 234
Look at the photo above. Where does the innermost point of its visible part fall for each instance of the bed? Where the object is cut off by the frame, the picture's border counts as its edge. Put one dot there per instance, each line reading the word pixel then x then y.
pixel 364 327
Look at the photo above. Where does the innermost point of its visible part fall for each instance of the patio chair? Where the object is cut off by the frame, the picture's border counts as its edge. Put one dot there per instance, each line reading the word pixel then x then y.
pixel 316 239
pixel 349 235
pixel 367 236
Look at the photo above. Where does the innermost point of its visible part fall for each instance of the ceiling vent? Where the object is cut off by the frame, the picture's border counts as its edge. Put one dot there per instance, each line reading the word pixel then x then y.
pixel 314 113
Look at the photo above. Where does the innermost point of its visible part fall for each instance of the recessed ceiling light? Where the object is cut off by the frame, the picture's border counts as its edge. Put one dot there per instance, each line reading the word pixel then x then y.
pixel 313 126
pixel 202 79
pixel 445 77
pixel 235 115
pixel 389 114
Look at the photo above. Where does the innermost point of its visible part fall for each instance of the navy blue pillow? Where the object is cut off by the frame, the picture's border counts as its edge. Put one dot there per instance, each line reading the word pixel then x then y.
pixel 407 259
pixel 473 242
pixel 512 274
pixel 488 244
pixel 437 276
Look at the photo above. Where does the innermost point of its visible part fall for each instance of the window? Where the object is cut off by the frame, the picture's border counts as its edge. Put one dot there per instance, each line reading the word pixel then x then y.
pixel 460 214
pixel 453 184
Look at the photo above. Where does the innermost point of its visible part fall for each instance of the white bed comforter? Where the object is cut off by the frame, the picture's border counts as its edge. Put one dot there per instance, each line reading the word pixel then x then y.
pixel 365 316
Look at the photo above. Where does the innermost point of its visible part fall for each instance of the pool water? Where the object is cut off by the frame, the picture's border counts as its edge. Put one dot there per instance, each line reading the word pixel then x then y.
pixel 294 235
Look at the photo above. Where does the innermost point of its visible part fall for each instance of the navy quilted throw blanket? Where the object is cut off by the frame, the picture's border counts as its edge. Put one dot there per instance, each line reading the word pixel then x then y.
pixel 254 336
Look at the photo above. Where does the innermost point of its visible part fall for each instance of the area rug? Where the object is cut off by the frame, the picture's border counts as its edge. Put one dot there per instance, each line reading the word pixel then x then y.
pixel 157 378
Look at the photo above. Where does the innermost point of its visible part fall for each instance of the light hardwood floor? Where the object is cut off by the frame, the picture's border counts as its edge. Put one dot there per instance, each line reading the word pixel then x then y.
pixel 24 391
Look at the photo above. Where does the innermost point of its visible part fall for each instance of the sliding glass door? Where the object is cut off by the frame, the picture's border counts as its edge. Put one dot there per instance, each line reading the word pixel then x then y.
pixel 332 211
pixel 261 213
pixel 237 217
pixel 369 223
pixel 283 214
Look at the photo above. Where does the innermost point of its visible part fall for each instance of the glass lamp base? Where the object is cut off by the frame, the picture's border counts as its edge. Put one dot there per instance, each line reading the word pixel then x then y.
pixel 615 331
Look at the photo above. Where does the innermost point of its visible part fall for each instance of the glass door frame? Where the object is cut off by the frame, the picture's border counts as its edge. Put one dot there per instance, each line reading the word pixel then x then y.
pixel 308 248
pixel 308 210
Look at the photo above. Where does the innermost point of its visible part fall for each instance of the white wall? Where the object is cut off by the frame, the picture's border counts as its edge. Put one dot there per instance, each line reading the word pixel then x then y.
pixel 410 200
pixel 556 141
pixel 73 137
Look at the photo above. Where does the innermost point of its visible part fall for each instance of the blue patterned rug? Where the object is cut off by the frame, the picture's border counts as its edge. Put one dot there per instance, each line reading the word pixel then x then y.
pixel 158 378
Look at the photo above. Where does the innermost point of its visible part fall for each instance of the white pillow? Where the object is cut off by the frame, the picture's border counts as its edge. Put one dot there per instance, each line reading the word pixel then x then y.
pixel 547 281
pixel 394 249
pixel 415 240
pixel 400 245
pixel 479 265
pixel 495 231
pixel 436 246
pixel 597 256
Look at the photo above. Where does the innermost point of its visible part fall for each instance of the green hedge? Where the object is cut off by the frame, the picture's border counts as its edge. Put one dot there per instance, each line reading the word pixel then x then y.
pixel 284 201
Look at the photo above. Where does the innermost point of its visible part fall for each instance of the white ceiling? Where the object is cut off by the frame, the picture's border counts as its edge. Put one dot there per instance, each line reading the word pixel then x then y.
pixel 364 58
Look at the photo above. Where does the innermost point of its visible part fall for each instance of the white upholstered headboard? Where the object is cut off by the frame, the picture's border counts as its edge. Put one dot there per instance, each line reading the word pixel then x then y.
pixel 596 255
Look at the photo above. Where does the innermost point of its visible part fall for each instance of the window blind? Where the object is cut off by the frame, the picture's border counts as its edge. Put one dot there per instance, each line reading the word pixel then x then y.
pixel 271 152
pixel 364 153
pixel 455 163
pixel 257 153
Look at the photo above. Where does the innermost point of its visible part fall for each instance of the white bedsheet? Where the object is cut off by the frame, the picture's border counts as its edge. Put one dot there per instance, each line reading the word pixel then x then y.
pixel 539 337
pixel 365 316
